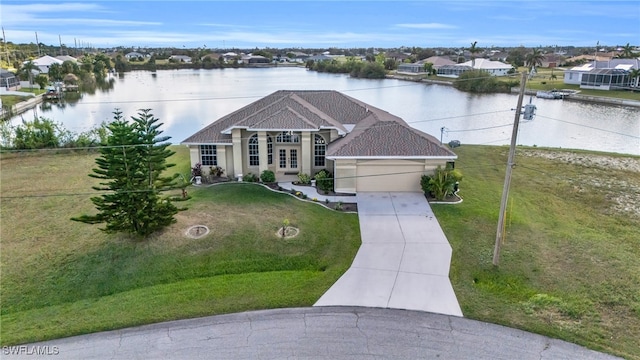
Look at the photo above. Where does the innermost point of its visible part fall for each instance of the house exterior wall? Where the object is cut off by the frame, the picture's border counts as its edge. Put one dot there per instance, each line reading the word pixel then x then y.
pixel 345 172
pixel 353 175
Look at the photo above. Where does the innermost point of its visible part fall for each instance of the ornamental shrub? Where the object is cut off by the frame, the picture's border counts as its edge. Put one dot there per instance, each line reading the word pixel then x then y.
pixel 304 178
pixel 268 176
pixel 324 180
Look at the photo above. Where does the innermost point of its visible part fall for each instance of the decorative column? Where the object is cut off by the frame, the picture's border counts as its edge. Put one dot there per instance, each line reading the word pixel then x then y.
pixel 262 149
pixel 236 135
pixel 306 156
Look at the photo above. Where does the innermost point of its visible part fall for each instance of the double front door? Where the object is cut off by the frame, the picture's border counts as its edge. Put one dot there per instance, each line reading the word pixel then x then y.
pixel 288 159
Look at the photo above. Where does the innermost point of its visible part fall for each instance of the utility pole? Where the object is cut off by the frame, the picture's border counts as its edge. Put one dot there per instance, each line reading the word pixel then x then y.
pixel 507 177
pixel 38 43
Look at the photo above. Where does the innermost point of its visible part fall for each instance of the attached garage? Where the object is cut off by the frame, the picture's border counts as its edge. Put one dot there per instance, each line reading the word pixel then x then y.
pixel 389 175
pixel 359 175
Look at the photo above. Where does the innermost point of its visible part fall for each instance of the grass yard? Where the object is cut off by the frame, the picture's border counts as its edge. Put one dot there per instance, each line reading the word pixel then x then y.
pixel 61 278
pixel 10 100
pixel 570 263
pixel 569 266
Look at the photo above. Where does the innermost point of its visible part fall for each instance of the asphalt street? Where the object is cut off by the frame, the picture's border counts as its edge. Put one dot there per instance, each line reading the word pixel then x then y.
pixel 312 333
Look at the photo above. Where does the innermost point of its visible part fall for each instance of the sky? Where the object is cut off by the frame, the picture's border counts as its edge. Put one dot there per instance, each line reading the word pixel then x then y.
pixel 321 24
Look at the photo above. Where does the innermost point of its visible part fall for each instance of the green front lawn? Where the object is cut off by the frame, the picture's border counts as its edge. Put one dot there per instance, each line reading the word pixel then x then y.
pixel 569 266
pixel 66 278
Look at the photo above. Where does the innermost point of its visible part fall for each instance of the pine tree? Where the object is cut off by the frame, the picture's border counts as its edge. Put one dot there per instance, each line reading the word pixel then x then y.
pixel 131 165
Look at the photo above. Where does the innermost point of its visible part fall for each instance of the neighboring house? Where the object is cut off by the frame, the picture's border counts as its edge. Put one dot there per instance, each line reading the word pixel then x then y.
pixel 9 81
pixel 574 75
pixel 321 57
pixel 605 79
pixel 67 58
pixel 180 58
pixel 291 132
pixel 602 75
pixel 418 66
pixel 255 59
pixel 438 61
pixel 413 68
pixel 299 57
pixel 495 68
pixel 452 71
pixel 396 56
pixel 45 62
pixel 552 60
pixel 134 55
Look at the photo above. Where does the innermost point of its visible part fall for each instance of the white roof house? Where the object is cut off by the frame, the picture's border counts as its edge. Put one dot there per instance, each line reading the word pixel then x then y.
pixel 45 62
pixel 495 68
pixel 574 75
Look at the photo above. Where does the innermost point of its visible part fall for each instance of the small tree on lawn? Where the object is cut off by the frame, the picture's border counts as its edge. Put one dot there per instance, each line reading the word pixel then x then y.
pixel 131 166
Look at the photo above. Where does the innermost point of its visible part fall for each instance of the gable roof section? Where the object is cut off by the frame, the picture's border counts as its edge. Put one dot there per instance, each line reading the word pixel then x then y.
pixel 285 119
pixel 392 138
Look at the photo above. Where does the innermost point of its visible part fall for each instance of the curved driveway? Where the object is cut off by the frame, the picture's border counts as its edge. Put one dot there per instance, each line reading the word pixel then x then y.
pixel 314 333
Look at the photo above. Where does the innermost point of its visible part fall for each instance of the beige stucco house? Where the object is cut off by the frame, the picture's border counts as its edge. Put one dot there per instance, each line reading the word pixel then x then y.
pixel 288 132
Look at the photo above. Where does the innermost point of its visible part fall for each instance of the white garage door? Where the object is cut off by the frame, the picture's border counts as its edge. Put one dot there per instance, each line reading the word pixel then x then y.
pixel 386 175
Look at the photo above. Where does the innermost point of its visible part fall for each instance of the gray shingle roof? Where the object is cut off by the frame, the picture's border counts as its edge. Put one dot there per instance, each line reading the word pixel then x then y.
pixel 377 133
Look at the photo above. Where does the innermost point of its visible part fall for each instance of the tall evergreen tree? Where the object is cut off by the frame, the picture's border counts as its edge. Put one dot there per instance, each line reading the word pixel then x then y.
pixel 131 165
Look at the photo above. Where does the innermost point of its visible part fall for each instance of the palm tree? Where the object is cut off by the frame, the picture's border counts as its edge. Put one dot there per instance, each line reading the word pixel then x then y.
pixel 27 70
pixel 634 77
pixel 627 52
pixel 534 58
pixel 473 50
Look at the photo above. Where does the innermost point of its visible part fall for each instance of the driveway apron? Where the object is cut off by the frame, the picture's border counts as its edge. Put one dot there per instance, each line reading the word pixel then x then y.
pixel 404 259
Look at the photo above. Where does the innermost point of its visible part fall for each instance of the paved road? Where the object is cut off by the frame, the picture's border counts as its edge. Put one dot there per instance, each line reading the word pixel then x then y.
pixel 315 333
pixel 404 259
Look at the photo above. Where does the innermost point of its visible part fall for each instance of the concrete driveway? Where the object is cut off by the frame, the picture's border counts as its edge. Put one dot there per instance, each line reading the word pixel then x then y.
pixel 404 259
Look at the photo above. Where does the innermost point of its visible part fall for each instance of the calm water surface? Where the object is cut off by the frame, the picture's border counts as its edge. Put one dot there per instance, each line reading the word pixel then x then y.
pixel 187 100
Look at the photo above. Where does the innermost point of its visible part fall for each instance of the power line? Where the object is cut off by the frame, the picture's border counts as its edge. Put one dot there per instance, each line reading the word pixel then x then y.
pixel 480 129
pixel 590 127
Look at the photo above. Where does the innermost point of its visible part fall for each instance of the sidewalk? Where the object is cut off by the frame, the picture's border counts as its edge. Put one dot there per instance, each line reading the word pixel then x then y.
pixel 312 192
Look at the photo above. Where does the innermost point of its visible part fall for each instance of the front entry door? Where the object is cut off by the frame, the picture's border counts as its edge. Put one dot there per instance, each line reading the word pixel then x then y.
pixel 288 159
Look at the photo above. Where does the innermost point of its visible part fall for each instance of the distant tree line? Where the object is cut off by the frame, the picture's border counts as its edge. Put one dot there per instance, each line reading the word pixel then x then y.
pixel 353 67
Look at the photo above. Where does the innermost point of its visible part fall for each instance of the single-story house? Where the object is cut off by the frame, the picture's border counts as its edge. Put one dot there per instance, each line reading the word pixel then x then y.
pixel 44 62
pixel 452 71
pixel 602 75
pixel 135 55
pixel 67 58
pixel 495 68
pixel 418 66
pixel 574 75
pixel 255 59
pixel 291 132
pixel 180 58
pixel 8 80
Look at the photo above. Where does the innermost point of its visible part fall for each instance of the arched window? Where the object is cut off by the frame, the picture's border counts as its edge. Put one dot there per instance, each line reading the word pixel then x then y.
pixel 254 152
pixel 319 151
pixel 287 137
pixel 269 150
